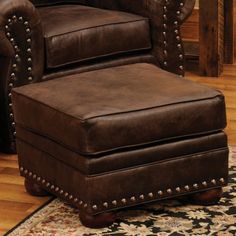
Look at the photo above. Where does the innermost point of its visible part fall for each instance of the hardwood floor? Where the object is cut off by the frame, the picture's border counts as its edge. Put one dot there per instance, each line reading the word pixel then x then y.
pixel 16 204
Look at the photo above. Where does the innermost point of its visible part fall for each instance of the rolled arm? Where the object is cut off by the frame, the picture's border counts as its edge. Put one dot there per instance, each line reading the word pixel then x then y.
pixel 21 57
pixel 166 17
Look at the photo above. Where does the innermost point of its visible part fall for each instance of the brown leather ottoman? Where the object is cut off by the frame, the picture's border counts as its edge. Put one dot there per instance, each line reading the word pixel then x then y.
pixel 119 137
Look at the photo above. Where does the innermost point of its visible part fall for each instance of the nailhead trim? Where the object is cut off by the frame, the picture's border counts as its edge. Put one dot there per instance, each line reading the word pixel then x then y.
pixel 123 201
pixel 13 77
pixel 178 38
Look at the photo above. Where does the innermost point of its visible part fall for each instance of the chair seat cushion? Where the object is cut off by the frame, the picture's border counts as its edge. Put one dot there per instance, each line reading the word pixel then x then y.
pixel 118 108
pixel 75 33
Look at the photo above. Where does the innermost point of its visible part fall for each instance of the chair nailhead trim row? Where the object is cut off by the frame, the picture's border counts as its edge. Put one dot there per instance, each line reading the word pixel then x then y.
pixel 178 38
pixel 141 198
pixel 13 76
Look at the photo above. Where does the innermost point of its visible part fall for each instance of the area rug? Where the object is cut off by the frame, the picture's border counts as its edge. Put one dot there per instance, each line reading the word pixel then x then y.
pixel 160 219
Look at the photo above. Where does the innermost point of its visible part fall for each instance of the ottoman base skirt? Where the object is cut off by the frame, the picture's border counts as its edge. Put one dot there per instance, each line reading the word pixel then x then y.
pixel 200 176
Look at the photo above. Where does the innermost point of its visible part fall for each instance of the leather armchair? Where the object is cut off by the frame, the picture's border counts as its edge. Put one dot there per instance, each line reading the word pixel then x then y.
pixel 30 51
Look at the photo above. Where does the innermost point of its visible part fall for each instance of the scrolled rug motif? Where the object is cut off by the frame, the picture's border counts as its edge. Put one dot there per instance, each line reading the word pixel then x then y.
pixel 160 219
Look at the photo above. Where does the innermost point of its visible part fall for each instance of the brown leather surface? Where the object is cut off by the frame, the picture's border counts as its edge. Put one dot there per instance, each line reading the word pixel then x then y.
pixel 163 16
pixel 128 182
pixel 119 107
pixel 76 33
pixel 130 157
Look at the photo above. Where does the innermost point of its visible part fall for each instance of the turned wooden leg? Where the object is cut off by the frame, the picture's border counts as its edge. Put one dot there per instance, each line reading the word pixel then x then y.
pixel 34 189
pixel 207 198
pixel 97 221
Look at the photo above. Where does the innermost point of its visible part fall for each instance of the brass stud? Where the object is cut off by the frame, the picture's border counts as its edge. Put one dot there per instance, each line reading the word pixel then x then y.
pixel 165 63
pixel 181 67
pixel 17 56
pixel 85 205
pixel 30 78
pixel 169 191
pixel 70 197
pixel 43 181
pixel 25 171
pixel 105 204
pixel 28 30
pixel 21 168
pixel 8 34
pixel 213 181
pixel 11 85
pixel 178 189
pixel 38 179
pixel 132 199
pixel 26 23
pixel 141 197
pixel 28 40
pixel 14 17
pixel 56 189
pixel 34 176
pixel 30 173
pixel 66 194
pixel 160 193
pixel 150 195
pixel 123 201
pixel 187 188
pixel 48 184
pixel 204 183
pixel 29 50
pixel 20 18
pixel 75 199
pixel 80 202
pixel 52 187
pixel 14 65
pixel 95 207
pixel 16 47
pixel 222 180
pixel 195 186
pixel 178 12
pixel 114 202
pixel 61 191
pixel 9 20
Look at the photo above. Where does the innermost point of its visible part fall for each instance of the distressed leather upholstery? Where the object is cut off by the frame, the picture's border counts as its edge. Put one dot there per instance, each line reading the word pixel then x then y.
pixel 77 33
pixel 121 136
pixel 46 39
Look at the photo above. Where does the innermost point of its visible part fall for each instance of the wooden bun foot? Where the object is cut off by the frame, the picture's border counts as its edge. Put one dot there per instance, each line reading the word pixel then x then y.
pixel 34 189
pixel 97 221
pixel 207 198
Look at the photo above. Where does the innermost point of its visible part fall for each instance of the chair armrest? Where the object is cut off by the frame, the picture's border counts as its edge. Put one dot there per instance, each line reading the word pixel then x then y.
pixel 166 17
pixel 21 55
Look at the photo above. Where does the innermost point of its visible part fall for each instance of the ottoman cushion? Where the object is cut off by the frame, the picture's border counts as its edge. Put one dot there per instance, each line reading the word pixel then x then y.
pixel 116 108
